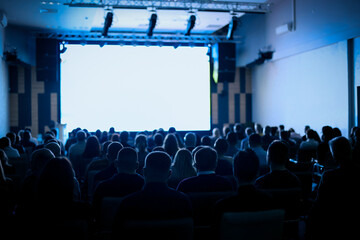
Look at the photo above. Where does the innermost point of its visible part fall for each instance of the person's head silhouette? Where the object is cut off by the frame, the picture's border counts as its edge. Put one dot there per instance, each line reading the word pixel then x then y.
pixel 157 167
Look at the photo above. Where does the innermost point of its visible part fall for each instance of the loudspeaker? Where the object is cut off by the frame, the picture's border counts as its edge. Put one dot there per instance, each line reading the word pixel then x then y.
pixel 47 60
pixel 224 60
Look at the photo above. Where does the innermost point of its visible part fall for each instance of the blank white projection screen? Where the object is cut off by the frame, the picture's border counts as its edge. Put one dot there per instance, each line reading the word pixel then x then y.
pixel 135 88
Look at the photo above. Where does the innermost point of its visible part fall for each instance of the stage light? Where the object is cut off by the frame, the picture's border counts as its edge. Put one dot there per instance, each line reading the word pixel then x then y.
pixel 190 25
pixel 232 27
pixel 107 23
pixel 152 24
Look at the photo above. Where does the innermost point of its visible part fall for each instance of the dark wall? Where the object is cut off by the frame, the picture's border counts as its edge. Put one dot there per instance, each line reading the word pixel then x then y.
pixel 35 90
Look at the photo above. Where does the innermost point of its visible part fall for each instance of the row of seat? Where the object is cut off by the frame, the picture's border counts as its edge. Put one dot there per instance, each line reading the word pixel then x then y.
pixel 252 225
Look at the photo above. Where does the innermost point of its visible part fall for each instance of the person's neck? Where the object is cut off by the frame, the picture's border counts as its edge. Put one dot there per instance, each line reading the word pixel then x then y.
pixel 245 183
pixel 277 168
pixel 154 181
pixel 206 172
pixel 126 171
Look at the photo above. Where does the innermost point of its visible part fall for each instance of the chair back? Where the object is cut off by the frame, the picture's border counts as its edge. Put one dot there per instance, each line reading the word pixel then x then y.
pixel 289 199
pixel 203 203
pixel 177 229
pixel 109 207
pixel 90 178
pixel 64 229
pixel 252 225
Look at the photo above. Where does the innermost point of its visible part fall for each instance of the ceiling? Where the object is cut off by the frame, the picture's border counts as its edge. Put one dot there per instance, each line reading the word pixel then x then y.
pixel 54 16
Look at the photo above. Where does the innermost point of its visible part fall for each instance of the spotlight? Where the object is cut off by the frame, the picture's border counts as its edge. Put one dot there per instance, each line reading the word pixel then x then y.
pixel 152 23
pixel 190 25
pixel 107 23
pixel 63 48
pixel 232 27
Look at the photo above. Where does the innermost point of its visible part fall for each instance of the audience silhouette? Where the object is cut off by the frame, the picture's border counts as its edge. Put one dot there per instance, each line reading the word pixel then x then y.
pixel 206 179
pixel 224 163
pixel 337 203
pixel 171 145
pixel 155 201
pixel 45 202
pixel 181 168
pixel 123 183
pixel 55 201
pixel 279 176
pixel 255 145
pixel 141 149
pixel 111 154
pixel 248 197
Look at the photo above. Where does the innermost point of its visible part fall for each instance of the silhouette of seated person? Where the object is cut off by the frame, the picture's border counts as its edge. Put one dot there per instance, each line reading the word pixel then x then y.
pixel 311 142
pixel 178 137
pixel 156 200
pixel 215 135
pixel 6 199
pixel 181 168
pixel 224 162
pixel 124 138
pixel 27 199
pixel 5 144
pixel 244 144
pixel 232 141
pixel 14 144
pixel 285 137
pixel 248 198
pixel 123 183
pixel 76 151
pixel 112 152
pixel 336 209
pixel 206 180
pixel 99 161
pixel 27 141
pixel 278 177
pixel 255 145
pixel 324 156
pixel 267 138
pixel 54 148
pixel 55 200
pixel 190 141
pixel 308 148
pixel 141 149
pixel 7 167
pixel 206 141
pixel 158 140
pixel 171 145
pixel 47 137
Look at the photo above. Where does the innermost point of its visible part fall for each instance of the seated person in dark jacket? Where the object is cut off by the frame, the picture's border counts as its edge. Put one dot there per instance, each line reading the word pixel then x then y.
pixel 206 179
pixel 336 209
pixel 248 198
pixel 123 183
pixel 278 177
pixel 156 200
pixel 111 155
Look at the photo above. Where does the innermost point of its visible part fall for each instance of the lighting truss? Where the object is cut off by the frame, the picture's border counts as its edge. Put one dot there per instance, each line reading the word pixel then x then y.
pixel 136 39
pixel 200 5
